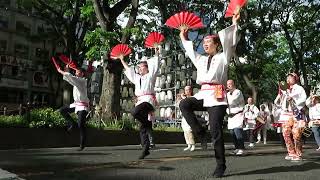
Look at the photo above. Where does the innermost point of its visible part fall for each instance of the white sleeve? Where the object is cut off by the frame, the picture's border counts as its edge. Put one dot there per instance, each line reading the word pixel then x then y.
pixel 235 98
pixel 193 55
pixel 131 74
pixel 229 39
pixel 73 80
pixel 308 102
pixel 153 65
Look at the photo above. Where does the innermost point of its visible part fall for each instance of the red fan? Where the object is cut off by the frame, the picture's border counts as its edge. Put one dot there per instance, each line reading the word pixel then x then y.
pixel 68 61
pixel 234 7
pixel 55 63
pixel 184 20
pixel 153 40
pixel 119 51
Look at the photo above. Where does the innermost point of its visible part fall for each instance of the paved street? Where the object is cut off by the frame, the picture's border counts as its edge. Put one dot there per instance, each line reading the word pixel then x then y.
pixel 167 162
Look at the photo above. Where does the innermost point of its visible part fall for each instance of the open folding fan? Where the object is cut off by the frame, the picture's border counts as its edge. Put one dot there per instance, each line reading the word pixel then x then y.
pixel 119 51
pixel 153 40
pixel 184 20
pixel 55 63
pixel 234 7
pixel 68 61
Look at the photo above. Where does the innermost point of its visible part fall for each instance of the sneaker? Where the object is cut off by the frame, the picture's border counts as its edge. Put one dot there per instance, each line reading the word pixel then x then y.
pixel 193 147
pixel 296 159
pixel 240 152
pixel 288 157
pixel 187 148
pixel 251 145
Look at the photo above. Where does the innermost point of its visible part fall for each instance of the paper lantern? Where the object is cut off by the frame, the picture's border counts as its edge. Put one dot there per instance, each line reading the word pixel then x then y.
pixel 170 95
pixel 162 112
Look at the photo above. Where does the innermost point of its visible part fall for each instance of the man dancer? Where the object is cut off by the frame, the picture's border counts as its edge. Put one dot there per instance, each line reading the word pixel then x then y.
pixel 293 127
pixel 80 105
pixel 251 112
pixel 144 83
pixel 235 116
pixel 212 71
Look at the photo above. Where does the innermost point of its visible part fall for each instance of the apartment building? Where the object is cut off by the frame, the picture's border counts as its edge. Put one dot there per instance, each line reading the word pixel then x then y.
pixel 25 67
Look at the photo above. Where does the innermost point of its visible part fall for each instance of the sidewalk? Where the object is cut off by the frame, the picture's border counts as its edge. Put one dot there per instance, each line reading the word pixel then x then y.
pixel 5 175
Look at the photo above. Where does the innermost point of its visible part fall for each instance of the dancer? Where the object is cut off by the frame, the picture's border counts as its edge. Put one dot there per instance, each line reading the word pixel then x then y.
pixel 250 114
pixel 80 105
pixel 144 83
pixel 235 116
pixel 313 102
pixel 212 71
pixel 293 118
pixel 263 125
pixel 187 131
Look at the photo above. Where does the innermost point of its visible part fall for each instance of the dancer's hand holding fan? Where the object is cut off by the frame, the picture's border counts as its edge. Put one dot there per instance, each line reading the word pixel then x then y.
pixel 120 51
pixel 154 40
pixel 234 8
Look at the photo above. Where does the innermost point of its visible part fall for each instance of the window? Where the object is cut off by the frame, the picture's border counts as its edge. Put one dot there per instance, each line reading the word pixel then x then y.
pixel 42 53
pixel 23 27
pixel 21 50
pixel 3 46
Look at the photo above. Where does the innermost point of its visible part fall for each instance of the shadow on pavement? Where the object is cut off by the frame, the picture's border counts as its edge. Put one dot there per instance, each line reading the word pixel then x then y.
pixel 278 169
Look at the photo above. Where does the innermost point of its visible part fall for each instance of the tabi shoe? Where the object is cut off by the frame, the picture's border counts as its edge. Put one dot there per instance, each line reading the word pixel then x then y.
pixel 187 148
pixel 144 154
pixel 193 147
pixel 219 172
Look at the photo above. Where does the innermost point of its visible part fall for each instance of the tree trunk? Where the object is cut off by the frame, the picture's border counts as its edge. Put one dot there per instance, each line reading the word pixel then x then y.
pixel 110 94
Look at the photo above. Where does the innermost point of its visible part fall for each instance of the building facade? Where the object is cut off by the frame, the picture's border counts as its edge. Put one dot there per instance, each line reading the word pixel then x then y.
pixel 25 67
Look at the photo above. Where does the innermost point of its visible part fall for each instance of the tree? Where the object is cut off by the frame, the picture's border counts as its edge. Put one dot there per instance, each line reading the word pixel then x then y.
pixel 107 15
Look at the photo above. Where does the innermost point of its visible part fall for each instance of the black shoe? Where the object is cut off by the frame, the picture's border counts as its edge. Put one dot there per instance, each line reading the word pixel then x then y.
pixel 144 154
pixel 152 146
pixel 219 172
pixel 80 148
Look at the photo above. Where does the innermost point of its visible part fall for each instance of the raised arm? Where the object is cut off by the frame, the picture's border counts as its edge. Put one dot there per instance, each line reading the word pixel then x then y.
pixel 188 46
pixel 229 38
pixel 153 63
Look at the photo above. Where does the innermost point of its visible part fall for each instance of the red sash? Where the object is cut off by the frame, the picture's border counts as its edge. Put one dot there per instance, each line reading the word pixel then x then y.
pixel 218 90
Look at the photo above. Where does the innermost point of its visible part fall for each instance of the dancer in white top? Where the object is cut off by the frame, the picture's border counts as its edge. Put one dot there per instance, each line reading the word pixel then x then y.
pixel 212 72
pixel 235 116
pixel 250 114
pixel 144 83
pixel 313 102
pixel 80 105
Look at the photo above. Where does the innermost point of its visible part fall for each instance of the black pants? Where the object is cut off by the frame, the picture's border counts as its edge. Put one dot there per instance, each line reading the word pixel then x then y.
pixel 66 111
pixel 140 113
pixel 216 116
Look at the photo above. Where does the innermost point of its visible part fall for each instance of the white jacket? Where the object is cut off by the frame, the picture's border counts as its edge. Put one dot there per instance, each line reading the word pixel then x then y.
pixel 218 71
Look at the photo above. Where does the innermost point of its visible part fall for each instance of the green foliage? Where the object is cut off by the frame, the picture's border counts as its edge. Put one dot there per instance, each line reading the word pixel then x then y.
pixel 164 127
pixel 12 121
pixel 46 118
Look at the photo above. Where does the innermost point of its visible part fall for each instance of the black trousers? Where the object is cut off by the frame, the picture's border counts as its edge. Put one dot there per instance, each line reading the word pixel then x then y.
pixel 140 113
pixel 216 116
pixel 66 111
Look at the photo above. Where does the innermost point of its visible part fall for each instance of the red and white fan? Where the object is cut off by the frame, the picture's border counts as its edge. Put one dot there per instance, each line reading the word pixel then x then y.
pixel 234 7
pixel 68 61
pixel 119 51
pixel 55 63
pixel 153 40
pixel 184 20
